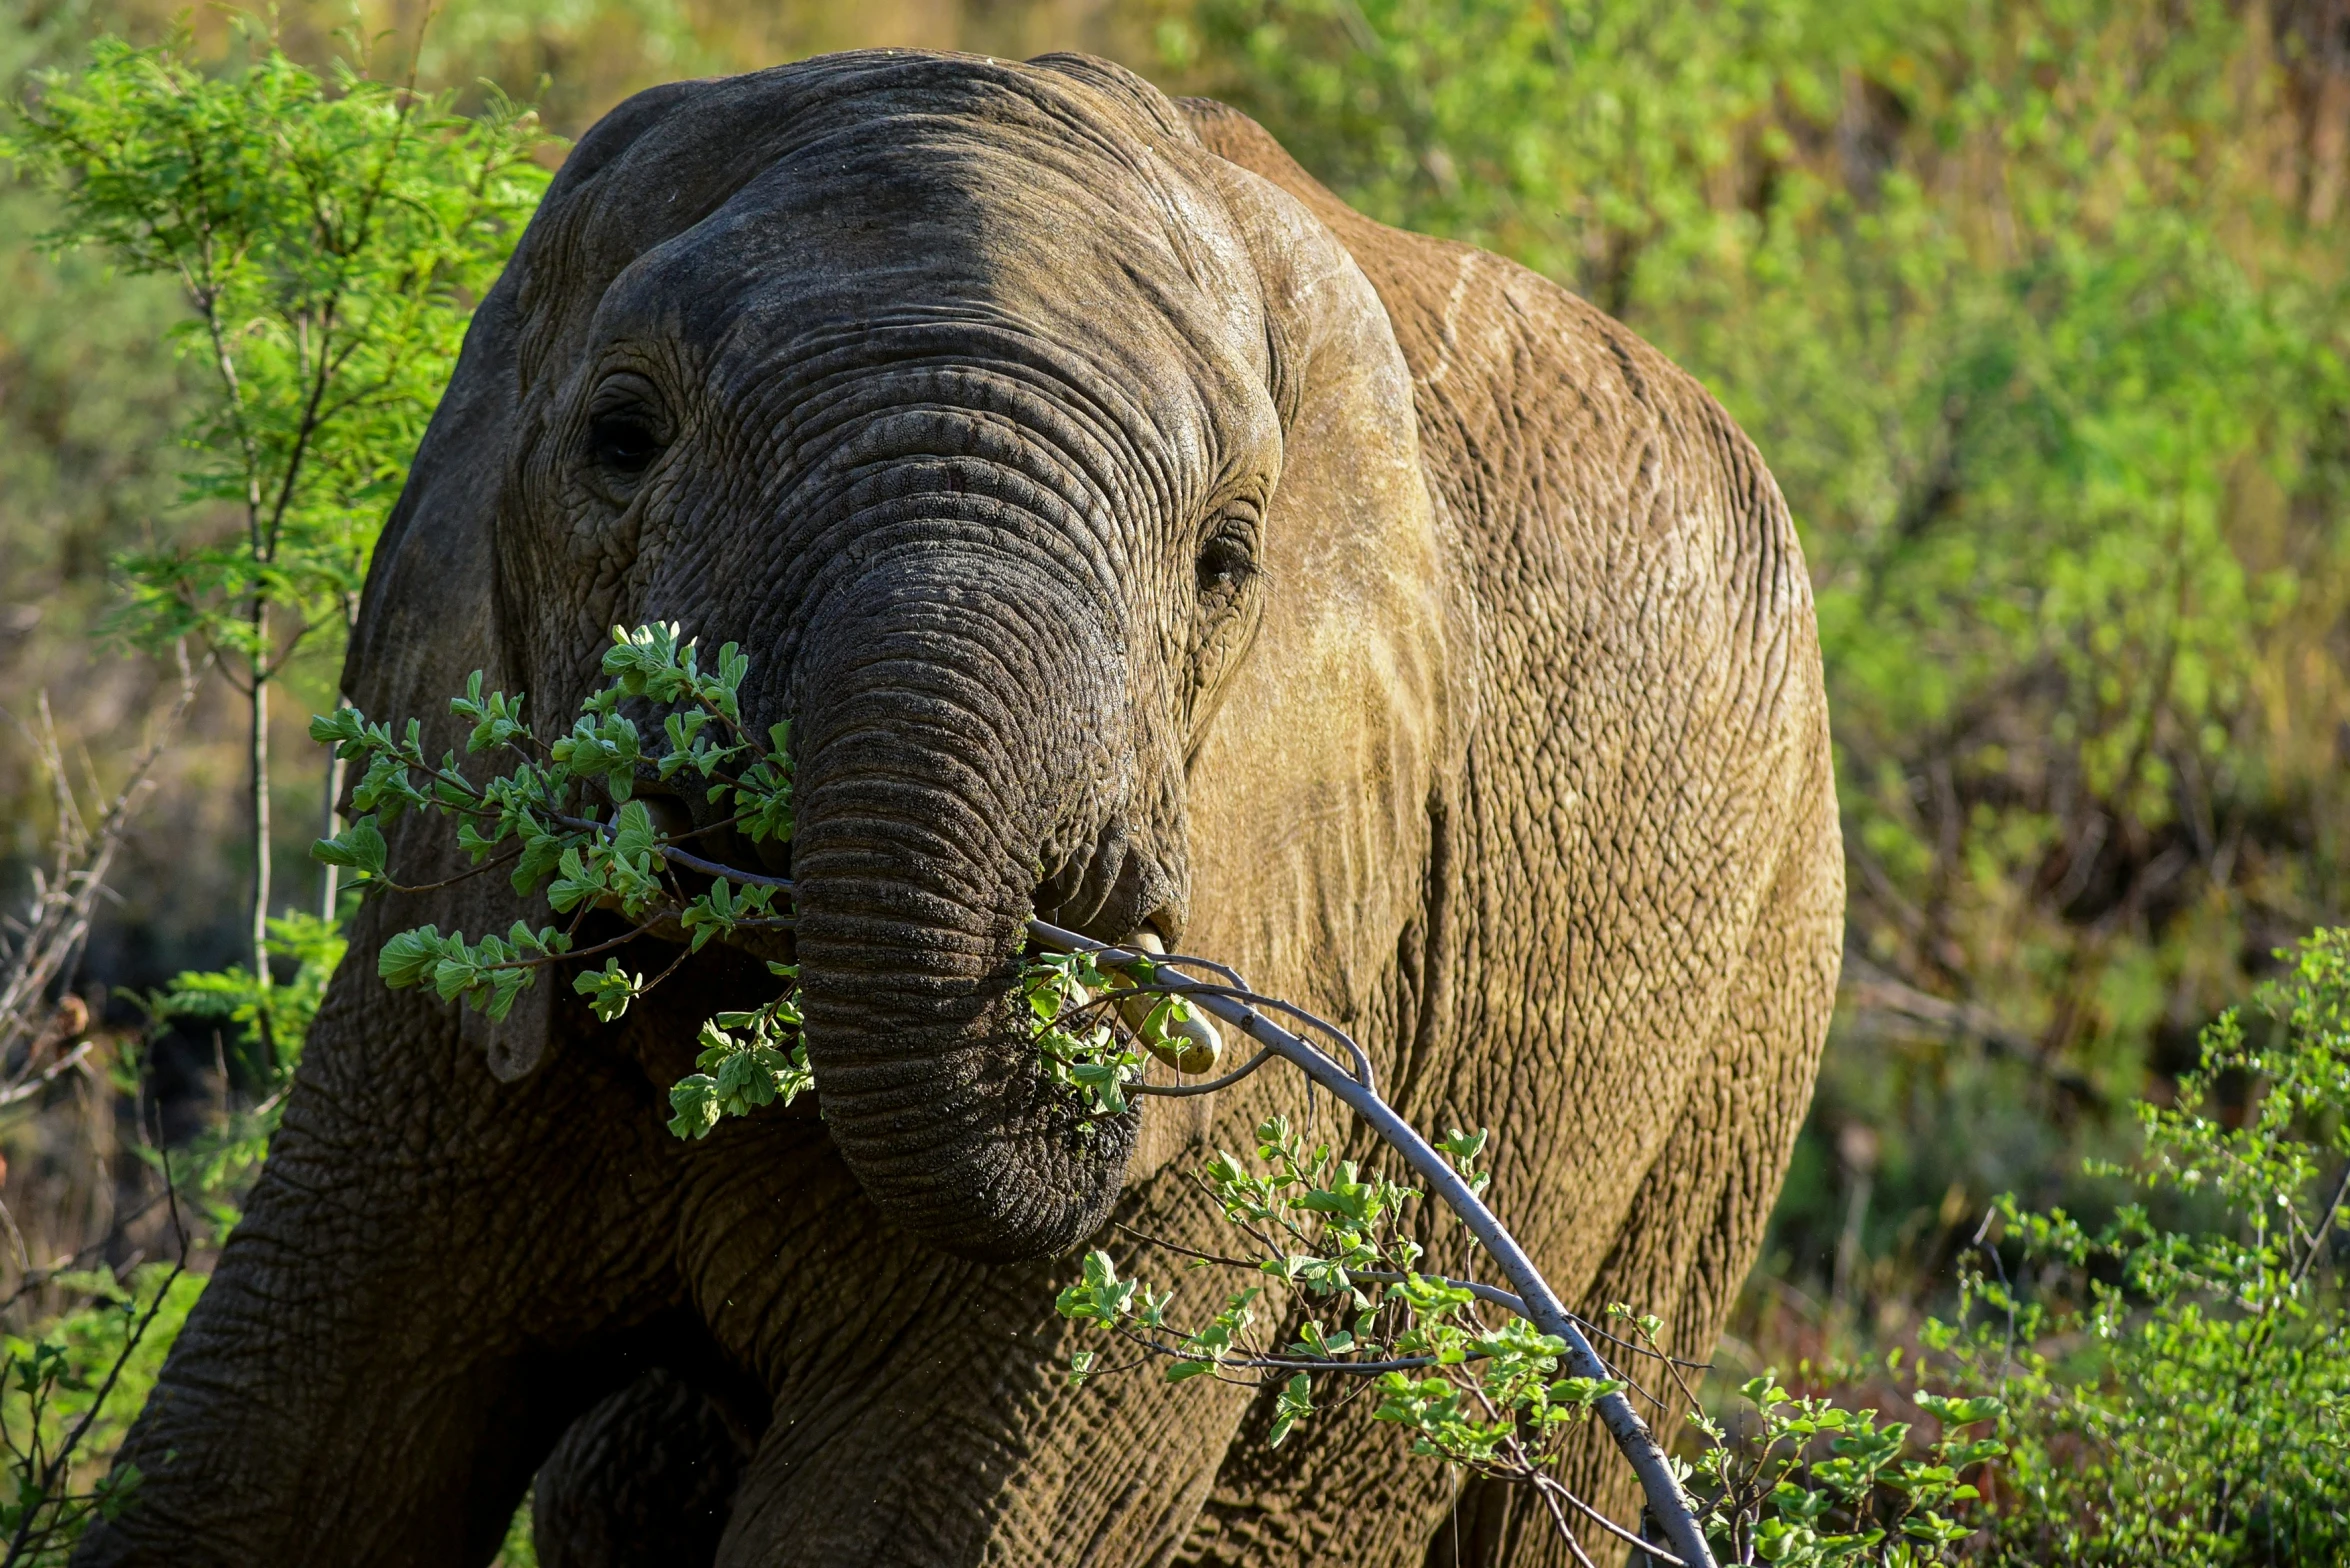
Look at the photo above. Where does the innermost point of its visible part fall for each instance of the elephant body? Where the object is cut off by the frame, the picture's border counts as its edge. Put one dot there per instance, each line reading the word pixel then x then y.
pixel 1137 536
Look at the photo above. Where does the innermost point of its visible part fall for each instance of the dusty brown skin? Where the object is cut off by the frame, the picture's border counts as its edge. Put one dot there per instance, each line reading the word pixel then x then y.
pixel 1133 534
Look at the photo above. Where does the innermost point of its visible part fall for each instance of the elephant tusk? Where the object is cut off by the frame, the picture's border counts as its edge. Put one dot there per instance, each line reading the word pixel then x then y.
pixel 1190 1045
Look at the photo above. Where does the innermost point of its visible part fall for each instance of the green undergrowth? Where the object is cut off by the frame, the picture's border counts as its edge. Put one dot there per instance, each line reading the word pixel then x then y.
pixel 2166 1388
pixel 2074 538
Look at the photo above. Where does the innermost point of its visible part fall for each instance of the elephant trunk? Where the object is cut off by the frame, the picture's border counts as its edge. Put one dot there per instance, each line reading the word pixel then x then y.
pixel 948 744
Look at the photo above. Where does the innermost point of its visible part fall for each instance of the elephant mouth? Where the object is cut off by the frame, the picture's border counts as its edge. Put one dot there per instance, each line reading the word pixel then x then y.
pixel 1113 889
pixel 931 1075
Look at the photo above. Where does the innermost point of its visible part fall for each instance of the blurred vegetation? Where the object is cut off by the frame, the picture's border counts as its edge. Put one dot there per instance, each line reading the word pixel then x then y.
pixel 2037 311
pixel 329 234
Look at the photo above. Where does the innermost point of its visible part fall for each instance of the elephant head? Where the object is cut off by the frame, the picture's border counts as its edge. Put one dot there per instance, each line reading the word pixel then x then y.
pixel 1041 461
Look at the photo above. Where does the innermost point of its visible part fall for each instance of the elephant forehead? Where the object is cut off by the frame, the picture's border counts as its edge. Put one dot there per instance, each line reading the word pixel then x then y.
pixel 935 261
pixel 933 188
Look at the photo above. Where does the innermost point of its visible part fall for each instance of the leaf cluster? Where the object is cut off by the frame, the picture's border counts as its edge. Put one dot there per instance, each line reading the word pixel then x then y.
pixel 330 236
pixel 67 1397
pixel 747 1060
pixel 1097 1024
pixel 565 818
pixel 1329 1251
pixel 2177 1376
pixel 1818 1484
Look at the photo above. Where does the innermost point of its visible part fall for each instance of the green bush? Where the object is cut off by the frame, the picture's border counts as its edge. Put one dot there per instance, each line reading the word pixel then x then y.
pixel 2167 1389
pixel 71 1392
pixel 2178 1387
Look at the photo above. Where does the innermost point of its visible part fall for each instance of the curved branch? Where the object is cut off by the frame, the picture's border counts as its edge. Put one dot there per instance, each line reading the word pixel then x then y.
pixel 1176 1090
pixel 1632 1435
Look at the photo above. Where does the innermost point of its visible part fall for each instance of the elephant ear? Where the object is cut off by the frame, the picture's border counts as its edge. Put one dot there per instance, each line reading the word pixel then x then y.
pixel 428 614
pixel 1318 785
pixel 431 613
pixel 428 619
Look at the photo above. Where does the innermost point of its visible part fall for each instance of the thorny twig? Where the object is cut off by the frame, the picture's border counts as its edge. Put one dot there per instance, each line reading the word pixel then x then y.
pixel 65 896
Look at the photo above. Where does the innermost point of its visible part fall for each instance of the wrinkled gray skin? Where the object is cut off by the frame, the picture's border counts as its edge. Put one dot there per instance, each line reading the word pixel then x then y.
pixel 1133 534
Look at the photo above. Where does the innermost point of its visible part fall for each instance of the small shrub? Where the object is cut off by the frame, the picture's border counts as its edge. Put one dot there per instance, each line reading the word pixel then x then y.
pixel 2177 1386
pixel 2169 1388
pixel 70 1394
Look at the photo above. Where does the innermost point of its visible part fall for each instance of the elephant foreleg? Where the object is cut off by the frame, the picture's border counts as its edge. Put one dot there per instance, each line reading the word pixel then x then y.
pixel 1697 1223
pixel 644 1480
pixel 397 1332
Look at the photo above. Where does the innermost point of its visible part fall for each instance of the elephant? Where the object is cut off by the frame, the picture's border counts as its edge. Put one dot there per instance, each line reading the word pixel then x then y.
pixel 1135 537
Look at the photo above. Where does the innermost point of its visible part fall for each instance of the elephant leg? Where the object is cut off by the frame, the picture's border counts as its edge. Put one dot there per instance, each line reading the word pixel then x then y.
pixel 644 1480
pixel 407 1318
pixel 1343 1489
pixel 1697 1223
pixel 933 1426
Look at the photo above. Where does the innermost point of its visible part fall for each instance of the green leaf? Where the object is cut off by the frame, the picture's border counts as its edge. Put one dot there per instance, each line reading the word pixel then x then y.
pixel 609 990
pixel 694 1102
pixel 1293 1404
pixel 410 957
pixel 542 853
pixel 360 846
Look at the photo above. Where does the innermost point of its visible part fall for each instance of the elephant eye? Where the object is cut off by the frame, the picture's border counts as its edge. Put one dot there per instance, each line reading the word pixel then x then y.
pixel 1226 562
pixel 624 442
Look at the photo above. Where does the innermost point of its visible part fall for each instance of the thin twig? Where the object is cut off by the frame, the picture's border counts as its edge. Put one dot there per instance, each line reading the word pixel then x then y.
pixel 506 859
pixel 1178 1090
pixel 1545 1483
pixel 1559 1519
pixel 2326 1224
pixel 30 1087
pixel 60 1462
pixel 36 1278
pixel 2007 1291
pixel 65 903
